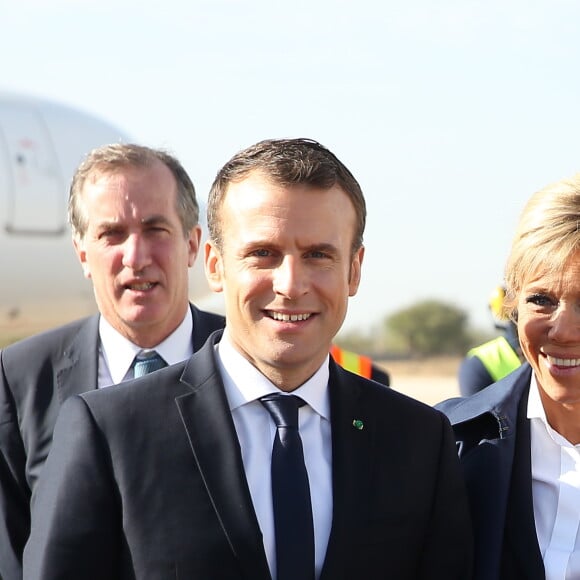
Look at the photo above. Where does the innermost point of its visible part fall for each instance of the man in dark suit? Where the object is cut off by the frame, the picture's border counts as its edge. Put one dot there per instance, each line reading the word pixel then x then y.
pixel 134 217
pixel 200 470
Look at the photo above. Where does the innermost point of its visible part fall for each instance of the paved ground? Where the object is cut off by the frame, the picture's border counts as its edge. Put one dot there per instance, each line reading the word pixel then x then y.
pixel 430 381
pixel 429 390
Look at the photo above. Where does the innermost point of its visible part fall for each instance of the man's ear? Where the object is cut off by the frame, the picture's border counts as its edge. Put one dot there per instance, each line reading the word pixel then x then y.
pixel 79 246
pixel 355 271
pixel 193 241
pixel 214 271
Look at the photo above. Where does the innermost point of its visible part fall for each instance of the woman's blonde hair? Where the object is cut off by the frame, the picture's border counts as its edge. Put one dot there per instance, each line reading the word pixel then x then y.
pixel 547 235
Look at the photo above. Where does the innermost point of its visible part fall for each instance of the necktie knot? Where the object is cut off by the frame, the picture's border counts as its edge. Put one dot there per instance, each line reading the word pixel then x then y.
pixel 146 362
pixel 283 409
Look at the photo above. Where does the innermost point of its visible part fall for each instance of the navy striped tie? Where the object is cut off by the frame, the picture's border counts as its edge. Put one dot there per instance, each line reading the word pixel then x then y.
pixel 290 492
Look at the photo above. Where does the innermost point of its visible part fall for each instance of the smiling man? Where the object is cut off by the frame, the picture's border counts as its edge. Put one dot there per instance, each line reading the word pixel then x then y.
pixel 259 457
pixel 134 217
pixel 289 272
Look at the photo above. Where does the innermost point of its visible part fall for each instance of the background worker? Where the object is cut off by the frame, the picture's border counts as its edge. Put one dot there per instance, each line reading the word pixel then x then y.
pixel 493 360
pixel 359 364
pixel 134 218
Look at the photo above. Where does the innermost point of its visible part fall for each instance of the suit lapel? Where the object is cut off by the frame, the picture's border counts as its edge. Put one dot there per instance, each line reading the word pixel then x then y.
pixel 77 369
pixel 520 530
pixel 351 465
pixel 487 470
pixel 207 419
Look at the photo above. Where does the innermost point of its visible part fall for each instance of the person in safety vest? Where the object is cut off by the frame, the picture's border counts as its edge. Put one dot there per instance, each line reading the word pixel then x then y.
pixel 487 363
pixel 360 365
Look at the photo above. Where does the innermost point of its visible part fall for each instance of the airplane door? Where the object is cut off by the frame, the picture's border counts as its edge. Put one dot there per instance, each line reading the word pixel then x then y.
pixel 36 191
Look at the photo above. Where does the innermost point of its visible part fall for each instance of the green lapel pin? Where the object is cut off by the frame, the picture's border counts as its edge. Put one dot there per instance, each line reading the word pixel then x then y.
pixel 358 424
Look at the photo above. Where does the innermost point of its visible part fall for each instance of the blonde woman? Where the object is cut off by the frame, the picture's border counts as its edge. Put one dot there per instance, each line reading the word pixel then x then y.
pixel 519 439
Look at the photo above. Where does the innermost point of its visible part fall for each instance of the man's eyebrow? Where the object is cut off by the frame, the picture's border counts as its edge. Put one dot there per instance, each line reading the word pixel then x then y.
pixel 107 224
pixel 322 247
pixel 155 219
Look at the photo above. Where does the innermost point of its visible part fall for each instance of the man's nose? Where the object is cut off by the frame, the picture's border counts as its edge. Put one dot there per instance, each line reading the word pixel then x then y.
pixel 290 278
pixel 136 252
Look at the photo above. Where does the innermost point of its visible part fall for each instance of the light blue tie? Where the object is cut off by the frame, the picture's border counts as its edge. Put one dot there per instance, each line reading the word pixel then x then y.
pixel 147 362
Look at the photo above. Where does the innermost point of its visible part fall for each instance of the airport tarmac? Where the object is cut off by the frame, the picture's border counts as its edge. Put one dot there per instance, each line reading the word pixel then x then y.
pixel 428 380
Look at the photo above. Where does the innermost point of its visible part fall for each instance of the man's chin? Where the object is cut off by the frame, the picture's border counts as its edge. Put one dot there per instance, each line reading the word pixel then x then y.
pixel 293 355
pixel 138 316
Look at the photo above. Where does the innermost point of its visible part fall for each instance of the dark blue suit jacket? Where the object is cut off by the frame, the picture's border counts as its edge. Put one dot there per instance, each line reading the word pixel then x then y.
pixel 493 443
pixel 152 486
pixel 36 376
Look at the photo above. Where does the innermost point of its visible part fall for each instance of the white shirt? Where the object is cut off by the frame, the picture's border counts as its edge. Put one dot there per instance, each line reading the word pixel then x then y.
pixel 116 353
pixel 556 493
pixel 244 385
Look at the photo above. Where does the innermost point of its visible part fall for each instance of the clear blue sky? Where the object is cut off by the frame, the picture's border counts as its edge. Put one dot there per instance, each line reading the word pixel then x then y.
pixel 450 113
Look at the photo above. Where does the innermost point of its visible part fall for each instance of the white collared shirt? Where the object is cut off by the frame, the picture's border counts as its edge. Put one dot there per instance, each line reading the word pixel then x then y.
pixel 116 353
pixel 556 493
pixel 256 430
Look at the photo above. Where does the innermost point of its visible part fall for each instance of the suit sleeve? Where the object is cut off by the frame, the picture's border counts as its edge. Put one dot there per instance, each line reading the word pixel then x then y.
pixel 75 530
pixel 14 491
pixel 448 551
pixel 473 376
pixel 380 375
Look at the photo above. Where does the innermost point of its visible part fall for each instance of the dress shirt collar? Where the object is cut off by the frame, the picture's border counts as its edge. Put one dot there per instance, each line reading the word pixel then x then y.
pixel 555 492
pixel 244 383
pixel 119 352
pixel 535 407
pixel 536 411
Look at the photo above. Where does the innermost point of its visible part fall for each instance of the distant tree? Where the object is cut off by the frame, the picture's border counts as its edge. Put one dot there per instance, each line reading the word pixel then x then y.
pixel 356 341
pixel 429 328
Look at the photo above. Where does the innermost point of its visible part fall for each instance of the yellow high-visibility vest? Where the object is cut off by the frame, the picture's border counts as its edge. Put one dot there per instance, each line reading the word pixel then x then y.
pixel 355 363
pixel 497 356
